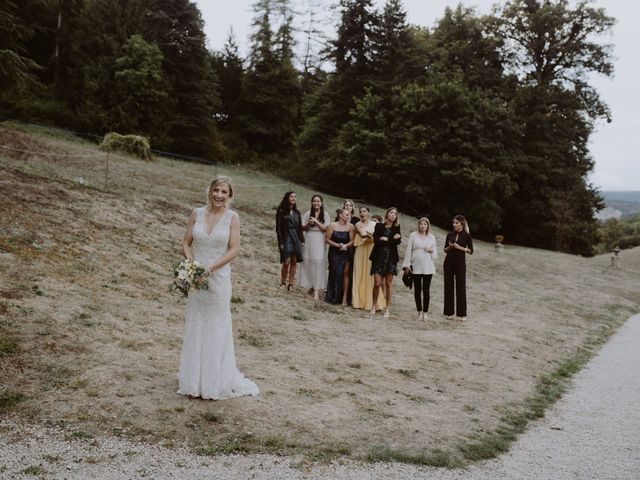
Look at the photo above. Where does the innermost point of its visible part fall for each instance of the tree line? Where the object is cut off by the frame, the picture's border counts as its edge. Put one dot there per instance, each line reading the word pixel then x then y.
pixel 619 232
pixel 489 116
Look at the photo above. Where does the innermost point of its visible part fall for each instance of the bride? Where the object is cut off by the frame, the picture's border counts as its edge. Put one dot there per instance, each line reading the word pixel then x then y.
pixel 207 362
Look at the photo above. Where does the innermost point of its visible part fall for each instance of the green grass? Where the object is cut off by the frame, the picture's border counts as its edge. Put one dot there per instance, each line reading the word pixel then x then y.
pixel 407 373
pixel 8 343
pixel 37 290
pixel 81 434
pixel 34 470
pixel 433 458
pixel 299 316
pixel 327 453
pixel 245 443
pixel 9 399
pixel 212 417
pixel 253 340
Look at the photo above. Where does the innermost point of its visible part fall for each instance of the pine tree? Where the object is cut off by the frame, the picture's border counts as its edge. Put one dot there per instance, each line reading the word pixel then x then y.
pixel 392 49
pixel 18 71
pixel 231 78
pixel 140 91
pixel 327 110
pixel 269 108
pixel 176 26
pixel 103 29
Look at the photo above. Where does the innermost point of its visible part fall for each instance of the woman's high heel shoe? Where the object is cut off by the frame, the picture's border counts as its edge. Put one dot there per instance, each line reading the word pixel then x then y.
pixel 289 287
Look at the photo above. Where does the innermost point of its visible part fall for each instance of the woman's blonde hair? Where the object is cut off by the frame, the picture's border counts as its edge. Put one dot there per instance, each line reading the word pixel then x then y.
pixel 424 219
pixel 216 181
pixel 395 224
pixel 463 221
pixel 353 205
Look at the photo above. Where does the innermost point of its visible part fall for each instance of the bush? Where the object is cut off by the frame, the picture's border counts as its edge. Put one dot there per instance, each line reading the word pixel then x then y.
pixel 42 111
pixel 135 144
pixel 629 241
pixel 623 233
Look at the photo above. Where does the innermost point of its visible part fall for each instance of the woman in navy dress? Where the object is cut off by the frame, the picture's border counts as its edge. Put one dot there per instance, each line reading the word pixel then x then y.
pixel 457 246
pixel 340 237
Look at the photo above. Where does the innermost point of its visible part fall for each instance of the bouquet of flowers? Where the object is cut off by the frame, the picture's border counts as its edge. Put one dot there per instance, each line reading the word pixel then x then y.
pixel 189 274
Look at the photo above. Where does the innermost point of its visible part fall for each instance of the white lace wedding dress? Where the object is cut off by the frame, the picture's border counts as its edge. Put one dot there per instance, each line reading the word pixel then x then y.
pixel 207 362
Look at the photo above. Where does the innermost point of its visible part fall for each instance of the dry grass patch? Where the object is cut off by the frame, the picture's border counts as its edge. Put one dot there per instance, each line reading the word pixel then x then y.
pixel 97 336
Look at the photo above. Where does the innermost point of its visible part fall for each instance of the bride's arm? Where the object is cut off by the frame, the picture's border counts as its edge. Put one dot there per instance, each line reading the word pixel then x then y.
pixel 188 236
pixel 234 245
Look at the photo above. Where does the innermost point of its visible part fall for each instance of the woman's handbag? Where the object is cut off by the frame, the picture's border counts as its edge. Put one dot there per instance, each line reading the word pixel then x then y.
pixel 406 278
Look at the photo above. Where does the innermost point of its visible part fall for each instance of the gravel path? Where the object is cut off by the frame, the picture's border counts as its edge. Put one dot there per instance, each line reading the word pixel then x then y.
pixel 593 432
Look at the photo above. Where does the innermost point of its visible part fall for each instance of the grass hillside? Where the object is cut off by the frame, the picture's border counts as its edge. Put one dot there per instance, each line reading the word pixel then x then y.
pixel 90 337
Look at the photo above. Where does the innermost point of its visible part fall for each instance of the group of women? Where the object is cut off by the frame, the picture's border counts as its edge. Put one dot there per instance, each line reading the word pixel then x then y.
pixel 363 256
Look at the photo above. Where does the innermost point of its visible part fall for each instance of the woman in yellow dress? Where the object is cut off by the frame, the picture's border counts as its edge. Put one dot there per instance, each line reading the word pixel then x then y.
pixel 362 296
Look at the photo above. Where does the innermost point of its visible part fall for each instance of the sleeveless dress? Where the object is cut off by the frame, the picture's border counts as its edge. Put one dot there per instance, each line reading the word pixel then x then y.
pixel 207 362
pixel 338 260
pixel 363 281
pixel 314 267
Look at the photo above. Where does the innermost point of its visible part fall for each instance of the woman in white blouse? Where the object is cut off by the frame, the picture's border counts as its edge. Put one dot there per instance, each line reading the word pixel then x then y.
pixel 419 256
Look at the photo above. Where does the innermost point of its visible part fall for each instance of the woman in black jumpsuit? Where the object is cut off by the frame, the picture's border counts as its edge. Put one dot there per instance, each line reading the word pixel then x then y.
pixel 457 245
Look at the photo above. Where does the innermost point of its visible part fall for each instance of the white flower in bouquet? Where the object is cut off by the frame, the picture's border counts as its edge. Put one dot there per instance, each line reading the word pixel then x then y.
pixel 189 274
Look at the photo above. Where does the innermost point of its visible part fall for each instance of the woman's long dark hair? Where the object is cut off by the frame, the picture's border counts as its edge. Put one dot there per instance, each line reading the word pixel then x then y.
pixel 312 211
pixel 284 207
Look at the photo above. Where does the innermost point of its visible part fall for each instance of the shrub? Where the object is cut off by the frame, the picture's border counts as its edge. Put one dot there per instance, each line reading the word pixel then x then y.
pixel 134 144
pixel 629 241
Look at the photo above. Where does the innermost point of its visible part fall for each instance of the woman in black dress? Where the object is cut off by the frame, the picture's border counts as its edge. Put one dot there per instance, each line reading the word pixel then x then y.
pixel 290 238
pixel 384 256
pixel 340 237
pixel 457 245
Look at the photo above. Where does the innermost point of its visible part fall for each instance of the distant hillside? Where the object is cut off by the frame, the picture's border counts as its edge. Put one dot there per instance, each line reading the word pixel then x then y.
pixel 620 204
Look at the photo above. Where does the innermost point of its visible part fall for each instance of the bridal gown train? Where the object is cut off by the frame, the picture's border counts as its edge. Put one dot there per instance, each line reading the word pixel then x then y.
pixel 207 362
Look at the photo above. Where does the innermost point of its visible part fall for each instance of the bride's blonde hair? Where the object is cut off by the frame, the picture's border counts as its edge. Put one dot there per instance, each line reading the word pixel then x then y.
pixel 216 181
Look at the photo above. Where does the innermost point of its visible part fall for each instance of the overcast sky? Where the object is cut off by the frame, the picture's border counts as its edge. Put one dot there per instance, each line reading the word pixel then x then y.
pixel 615 146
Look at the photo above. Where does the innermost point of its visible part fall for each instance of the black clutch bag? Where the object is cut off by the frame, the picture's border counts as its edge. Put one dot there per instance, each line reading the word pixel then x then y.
pixel 406 278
